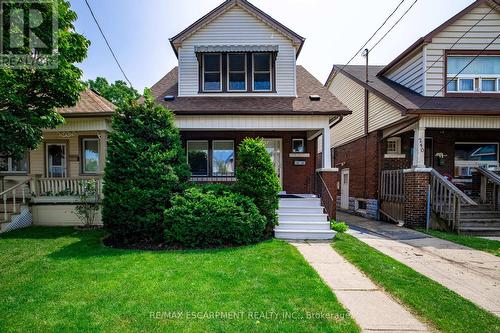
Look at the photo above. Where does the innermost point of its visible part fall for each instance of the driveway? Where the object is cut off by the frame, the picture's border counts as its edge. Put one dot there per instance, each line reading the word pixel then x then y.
pixel 473 274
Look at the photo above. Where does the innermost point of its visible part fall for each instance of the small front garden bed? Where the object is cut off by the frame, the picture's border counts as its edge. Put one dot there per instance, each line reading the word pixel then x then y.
pixel 63 280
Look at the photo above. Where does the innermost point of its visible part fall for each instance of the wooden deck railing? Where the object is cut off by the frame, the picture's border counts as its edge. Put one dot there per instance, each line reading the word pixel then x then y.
pixel 73 186
pixel 10 198
pixel 392 195
pixel 490 177
pixel 447 200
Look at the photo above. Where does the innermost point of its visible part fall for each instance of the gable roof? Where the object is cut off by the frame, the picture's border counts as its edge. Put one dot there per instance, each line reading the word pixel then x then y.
pixel 89 104
pixel 410 102
pixel 428 38
pixel 307 85
pixel 177 40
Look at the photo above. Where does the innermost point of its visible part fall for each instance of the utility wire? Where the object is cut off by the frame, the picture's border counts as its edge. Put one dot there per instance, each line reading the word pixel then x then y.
pixel 394 25
pixel 107 43
pixel 460 72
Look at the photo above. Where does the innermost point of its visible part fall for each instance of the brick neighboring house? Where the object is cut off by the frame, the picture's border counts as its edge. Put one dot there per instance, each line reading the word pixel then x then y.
pixel 456 126
pixel 237 77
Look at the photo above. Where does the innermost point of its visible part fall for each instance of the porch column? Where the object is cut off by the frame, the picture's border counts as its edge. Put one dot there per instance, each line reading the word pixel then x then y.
pixel 103 150
pixel 327 155
pixel 419 147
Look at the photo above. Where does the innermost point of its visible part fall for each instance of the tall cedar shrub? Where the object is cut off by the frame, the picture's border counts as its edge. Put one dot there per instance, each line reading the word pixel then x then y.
pixel 257 179
pixel 146 167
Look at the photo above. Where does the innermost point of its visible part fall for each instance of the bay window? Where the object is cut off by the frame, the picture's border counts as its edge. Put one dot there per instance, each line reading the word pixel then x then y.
pixel 212 74
pixel 468 74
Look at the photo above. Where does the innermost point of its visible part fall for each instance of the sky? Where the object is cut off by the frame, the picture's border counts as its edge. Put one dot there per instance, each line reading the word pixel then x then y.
pixel 334 30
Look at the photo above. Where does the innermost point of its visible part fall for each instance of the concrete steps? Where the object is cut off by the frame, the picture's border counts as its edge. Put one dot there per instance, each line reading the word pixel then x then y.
pixel 479 220
pixel 302 218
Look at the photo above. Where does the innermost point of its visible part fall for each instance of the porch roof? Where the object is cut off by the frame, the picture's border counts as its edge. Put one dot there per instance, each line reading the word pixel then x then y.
pixel 410 102
pixel 302 104
pixel 89 104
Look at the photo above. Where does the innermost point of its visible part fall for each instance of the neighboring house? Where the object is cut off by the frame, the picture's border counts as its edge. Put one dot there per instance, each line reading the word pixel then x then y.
pixel 49 177
pixel 456 126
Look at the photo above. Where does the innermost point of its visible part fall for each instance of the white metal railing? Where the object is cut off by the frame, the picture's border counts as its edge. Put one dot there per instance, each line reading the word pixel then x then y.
pixel 10 197
pixel 73 186
pixel 447 200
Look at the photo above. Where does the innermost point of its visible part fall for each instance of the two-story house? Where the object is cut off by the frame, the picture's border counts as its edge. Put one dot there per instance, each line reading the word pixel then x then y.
pixel 237 77
pixel 433 114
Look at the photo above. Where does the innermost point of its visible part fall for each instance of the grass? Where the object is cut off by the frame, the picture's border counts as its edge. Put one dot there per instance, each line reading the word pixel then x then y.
pixel 486 245
pixel 63 280
pixel 437 305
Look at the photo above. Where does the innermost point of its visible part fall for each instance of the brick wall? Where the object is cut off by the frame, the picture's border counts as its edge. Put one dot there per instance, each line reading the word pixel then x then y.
pixel 295 178
pixel 416 185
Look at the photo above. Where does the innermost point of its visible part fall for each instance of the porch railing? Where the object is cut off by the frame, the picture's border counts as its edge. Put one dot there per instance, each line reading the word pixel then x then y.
pixel 320 188
pixel 73 186
pixel 488 176
pixel 392 195
pixel 11 196
pixel 447 200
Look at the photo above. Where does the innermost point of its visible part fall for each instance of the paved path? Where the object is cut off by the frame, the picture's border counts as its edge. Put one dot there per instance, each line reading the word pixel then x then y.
pixel 370 307
pixel 473 274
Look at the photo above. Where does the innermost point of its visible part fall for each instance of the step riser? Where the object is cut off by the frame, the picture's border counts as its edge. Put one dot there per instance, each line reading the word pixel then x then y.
pixel 303 218
pixel 495 233
pixel 293 210
pixel 299 202
pixel 303 226
pixel 480 216
pixel 303 236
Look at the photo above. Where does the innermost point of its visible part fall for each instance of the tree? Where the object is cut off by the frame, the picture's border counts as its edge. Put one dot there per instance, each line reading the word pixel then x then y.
pixel 257 179
pixel 118 93
pixel 146 167
pixel 29 95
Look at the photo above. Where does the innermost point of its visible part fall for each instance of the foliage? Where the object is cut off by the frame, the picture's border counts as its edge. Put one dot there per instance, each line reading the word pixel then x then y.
pixel 428 299
pixel 340 227
pixel 204 218
pixel 257 179
pixel 218 189
pixel 88 206
pixel 119 93
pixel 146 167
pixel 29 96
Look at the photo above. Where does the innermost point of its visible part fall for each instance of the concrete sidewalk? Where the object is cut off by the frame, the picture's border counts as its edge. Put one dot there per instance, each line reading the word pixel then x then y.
pixel 473 274
pixel 371 308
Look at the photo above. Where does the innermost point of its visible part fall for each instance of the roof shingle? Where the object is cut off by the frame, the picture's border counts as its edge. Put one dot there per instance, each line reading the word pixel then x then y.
pixel 90 103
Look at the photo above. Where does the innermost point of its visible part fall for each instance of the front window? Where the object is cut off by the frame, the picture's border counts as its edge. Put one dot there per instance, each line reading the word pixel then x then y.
pixel 223 158
pixel 212 74
pixel 90 156
pixel 262 72
pixel 472 155
pixel 470 74
pixel 197 155
pixel 394 146
pixel 298 146
pixel 11 165
pixel 237 74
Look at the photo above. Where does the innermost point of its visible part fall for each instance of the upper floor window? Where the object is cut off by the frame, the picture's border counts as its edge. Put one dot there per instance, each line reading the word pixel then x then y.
pixel 212 74
pixel 237 72
pixel 262 74
pixel 467 74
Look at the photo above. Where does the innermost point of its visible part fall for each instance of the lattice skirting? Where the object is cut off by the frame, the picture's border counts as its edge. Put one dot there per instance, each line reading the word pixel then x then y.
pixel 19 221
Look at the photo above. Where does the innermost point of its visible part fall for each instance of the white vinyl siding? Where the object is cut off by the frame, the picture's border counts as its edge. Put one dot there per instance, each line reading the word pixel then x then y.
pixel 381 113
pixel 477 39
pixel 237 27
pixel 351 95
pixel 410 73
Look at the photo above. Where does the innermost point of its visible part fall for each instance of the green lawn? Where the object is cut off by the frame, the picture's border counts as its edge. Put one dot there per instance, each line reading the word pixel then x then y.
pixel 63 280
pixel 487 245
pixel 439 306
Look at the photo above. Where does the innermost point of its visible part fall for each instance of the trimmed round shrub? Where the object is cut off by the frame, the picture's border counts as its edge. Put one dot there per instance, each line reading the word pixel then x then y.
pixel 200 219
pixel 257 179
pixel 146 167
pixel 340 227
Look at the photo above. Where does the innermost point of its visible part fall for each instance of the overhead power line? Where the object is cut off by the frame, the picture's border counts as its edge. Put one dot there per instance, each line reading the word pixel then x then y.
pixel 107 43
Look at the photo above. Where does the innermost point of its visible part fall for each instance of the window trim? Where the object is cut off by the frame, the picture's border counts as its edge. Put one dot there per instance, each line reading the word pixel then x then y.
pixel 271 86
pixel 303 144
pixel 203 73
pixel 82 155
pixel 397 142
pixel 211 153
pixel 228 72
pixel 9 170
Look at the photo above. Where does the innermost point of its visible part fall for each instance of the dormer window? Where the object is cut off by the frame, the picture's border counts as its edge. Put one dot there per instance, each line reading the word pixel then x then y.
pixel 212 74
pixel 236 72
pixel 471 74
pixel 262 71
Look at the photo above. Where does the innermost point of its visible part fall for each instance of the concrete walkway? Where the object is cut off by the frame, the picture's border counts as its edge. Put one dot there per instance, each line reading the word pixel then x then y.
pixel 371 308
pixel 473 274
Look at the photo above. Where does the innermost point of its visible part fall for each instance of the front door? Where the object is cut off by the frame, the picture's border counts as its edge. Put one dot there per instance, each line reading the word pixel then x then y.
pixel 56 160
pixel 273 147
pixel 344 189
